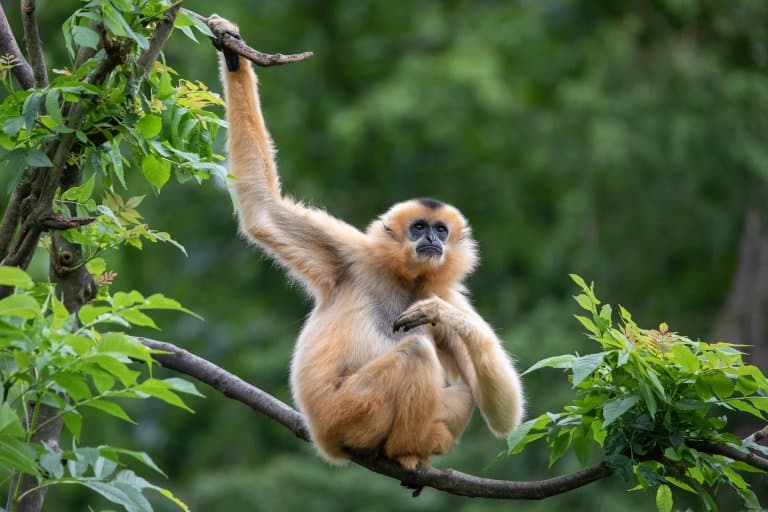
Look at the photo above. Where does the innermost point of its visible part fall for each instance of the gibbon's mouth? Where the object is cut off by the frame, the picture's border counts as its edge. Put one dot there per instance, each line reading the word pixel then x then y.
pixel 432 251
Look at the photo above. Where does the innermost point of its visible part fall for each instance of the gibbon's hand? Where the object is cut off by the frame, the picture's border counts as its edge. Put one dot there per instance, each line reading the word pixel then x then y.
pixel 423 312
pixel 221 27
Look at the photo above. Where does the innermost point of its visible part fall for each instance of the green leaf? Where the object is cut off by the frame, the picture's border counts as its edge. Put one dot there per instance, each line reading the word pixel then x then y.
pixel 162 390
pixel 130 498
pixel 74 384
pixel 84 36
pixel 157 171
pixel 123 344
pixel 685 358
pixel 37 158
pixel 74 423
pixel 615 408
pixel 562 361
pixel 113 453
pixel 110 408
pixel 88 313
pixel 17 455
pixel 517 435
pixel 149 125
pixel 664 498
pixel 587 323
pixel 21 306
pixel 585 302
pixel 51 462
pixel 579 281
pixel 31 109
pixel 560 446
pixel 183 386
pixel 14 276
pixel 10 424
pixel 585 365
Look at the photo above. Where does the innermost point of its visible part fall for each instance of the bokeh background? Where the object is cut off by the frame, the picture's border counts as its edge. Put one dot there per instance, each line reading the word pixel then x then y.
pixel 623 140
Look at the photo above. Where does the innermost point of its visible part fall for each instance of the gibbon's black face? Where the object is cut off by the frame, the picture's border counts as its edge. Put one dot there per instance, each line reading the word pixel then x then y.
pixel 429 238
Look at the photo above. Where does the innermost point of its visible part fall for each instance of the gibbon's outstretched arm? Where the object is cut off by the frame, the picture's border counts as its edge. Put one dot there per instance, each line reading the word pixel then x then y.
pixel 496 388
pixel 313 245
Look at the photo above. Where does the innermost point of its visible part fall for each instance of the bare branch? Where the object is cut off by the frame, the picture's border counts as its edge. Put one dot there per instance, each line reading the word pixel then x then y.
pixel 448 480
pixel 159 37
pixel 33 43
pixel 8 46
pixel 259 58
pixel 758 437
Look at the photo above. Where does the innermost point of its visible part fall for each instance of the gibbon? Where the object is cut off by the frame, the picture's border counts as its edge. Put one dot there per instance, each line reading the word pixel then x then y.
pixel 393 357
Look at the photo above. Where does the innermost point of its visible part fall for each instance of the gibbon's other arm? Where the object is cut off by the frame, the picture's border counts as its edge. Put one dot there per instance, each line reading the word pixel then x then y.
pixel 497 389
pixel 313 245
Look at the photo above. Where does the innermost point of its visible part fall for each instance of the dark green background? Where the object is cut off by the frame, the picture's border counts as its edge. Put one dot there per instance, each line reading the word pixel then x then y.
pixel 621 140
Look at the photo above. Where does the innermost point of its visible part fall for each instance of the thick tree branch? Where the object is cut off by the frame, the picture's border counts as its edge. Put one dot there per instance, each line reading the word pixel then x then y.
pixel 33 43
pixel 448 480
pixel 8 46
pixel 259 58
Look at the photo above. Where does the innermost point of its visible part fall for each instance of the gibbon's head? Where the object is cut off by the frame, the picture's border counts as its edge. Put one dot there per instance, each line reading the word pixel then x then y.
pixel 424 239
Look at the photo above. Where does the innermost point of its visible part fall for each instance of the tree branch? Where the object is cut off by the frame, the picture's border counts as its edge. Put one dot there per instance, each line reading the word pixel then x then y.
pixel 732 452
pixel 758 437
pixel 8 46
pixel 448 480
pixel 33 43
pixel 159 37
pixel 259 58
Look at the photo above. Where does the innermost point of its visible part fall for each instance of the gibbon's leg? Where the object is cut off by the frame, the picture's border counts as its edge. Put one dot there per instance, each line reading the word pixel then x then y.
pixel 453 413
pixel 497 388
pixel 391 400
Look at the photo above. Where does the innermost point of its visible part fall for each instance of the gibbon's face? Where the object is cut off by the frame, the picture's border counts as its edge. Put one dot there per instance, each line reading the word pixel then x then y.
pixel 426 236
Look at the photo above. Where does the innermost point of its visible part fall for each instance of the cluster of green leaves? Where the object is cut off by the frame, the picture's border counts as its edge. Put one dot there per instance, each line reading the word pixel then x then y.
pixel 647 398
pixel 52 360
pixel 155 123
pixel 53 364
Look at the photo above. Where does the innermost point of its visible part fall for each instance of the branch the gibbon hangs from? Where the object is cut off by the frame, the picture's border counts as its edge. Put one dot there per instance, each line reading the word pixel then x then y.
pixel 393 356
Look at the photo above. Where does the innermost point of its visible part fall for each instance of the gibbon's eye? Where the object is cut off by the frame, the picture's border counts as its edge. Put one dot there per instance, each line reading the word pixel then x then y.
pixel 417 229
pixel 442 231
pixel 66 257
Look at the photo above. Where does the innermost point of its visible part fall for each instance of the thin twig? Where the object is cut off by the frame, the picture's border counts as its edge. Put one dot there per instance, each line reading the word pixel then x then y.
pixel 33 43
pixel 448 480
pixel 8 46
pixel 259 58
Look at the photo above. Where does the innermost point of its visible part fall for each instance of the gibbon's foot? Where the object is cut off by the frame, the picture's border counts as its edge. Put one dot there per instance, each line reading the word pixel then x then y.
pixel 425 311
pixel 221 27
pixel 410 462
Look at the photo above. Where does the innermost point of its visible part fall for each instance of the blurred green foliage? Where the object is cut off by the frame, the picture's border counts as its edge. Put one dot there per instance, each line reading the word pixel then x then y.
pixel 619 140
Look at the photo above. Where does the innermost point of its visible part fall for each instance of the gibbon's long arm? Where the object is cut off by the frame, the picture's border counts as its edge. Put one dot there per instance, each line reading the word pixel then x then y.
pixel 497 389
pixel 312 244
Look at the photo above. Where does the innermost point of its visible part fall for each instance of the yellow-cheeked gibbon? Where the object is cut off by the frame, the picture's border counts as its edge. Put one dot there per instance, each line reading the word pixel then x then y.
pixel 393 356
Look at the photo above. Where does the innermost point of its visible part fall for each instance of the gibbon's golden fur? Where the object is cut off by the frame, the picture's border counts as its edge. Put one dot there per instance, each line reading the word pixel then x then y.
pixel 393 356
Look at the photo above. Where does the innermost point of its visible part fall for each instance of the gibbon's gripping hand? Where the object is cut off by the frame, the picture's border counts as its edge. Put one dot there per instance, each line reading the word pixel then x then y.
pixel 221 27
pixel 423 312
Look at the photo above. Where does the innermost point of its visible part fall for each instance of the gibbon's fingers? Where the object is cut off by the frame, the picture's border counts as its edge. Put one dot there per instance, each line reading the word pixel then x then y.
pixel 420 313
pixel 221 28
